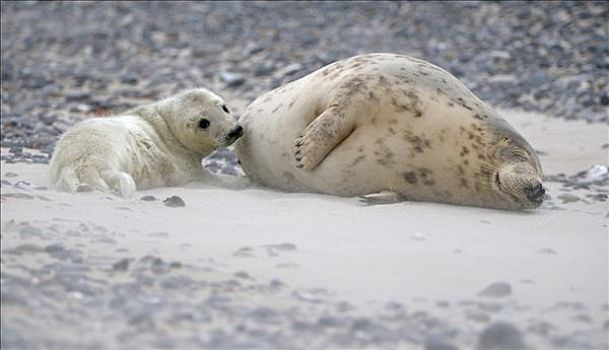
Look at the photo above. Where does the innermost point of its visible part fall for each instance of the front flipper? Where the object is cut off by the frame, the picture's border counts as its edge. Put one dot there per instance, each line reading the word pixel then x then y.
pixel 383 197
pixel 321 136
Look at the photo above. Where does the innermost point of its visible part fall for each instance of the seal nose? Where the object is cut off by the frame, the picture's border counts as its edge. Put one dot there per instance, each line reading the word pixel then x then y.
pixel 535 193
pixel 235 133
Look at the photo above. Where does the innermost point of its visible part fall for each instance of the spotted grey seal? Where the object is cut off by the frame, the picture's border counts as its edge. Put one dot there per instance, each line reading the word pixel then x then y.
pixel 388 123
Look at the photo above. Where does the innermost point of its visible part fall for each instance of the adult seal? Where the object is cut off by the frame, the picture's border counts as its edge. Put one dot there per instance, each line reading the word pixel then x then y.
pixel 392 124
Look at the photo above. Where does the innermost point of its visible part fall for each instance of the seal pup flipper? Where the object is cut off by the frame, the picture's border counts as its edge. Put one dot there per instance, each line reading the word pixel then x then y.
pixel 321 136
pixel 120 182
pixel 383 197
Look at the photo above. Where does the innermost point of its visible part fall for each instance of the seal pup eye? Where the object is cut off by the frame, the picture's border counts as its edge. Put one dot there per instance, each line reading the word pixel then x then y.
pixel 204 123
pixel 225 109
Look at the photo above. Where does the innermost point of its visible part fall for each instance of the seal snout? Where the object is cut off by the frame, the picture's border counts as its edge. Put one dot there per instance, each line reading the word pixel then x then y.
pixel 235 133
pixel 231 136
pixel 535 193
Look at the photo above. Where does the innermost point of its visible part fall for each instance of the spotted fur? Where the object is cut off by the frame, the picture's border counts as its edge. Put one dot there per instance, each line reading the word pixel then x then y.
pixel 387 122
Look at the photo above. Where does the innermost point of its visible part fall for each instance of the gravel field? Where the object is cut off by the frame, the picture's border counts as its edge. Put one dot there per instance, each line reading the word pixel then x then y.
pixel 62 62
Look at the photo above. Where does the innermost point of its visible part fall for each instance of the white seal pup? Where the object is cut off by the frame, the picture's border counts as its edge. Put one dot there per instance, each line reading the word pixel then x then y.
pixel 387 123
pixel 160 144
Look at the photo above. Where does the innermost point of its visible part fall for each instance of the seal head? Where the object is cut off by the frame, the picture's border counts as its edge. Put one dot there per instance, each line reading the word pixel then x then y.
pixel 201 121
pixel 518 176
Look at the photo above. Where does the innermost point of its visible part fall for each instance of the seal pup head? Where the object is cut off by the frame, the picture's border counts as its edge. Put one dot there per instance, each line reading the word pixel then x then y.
pixel 517 176
pixel 200 120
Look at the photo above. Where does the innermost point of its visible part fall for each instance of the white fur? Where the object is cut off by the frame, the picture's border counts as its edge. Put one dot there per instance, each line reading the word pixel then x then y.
pixel 155 145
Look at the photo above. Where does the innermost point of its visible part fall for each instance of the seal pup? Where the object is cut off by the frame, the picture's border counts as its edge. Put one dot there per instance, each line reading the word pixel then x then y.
pixel 155 145
pixel 380 125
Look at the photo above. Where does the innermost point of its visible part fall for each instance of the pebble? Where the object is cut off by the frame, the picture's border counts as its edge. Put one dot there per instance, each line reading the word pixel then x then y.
pixel 496 290
pixel 242 274
pixel 121 265
pixel 148 198
pixel 244 252
pixel 568 198
pixel 30 231
pixel 232 79
pixel 129 79
pixel 263 69
pixel 286 247
pixel 439 342
pixel 290 69
pixel 501 336
pixel 548 251
pixel 174 202
pixel 177 282
pixel 311 295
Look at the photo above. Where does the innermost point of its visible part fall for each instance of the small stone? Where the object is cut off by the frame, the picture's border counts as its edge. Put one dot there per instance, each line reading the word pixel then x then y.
pixel 418 236
pixel 121 265
pixel 438 342
pixel 160 234
pixel 490 307
pixel 17 195
pixel 215 300
pixel 54 248
pixel 568 198
pixel 244 252
pixel 174 202
pixel 16 150
pixel 175 265
pixel 263 70
pixel 129 79
pixel 242 274
pixel 177 282
pixel 253 48
pixel 148 198
pixel 48 119
pixel 84 188
pixel 311 295
pixel 478 316
pixel 276 284
pixel 500 336
pixel 30 231
pixel 232 79
pixel 27 248
pixel 263 314
pixel 291 69
pixel 496 290
pixel 283 246
pixel 78 96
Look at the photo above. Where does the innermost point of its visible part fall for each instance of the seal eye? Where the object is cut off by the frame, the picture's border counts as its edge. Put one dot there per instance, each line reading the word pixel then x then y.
pixel 204 123
pixel 225 109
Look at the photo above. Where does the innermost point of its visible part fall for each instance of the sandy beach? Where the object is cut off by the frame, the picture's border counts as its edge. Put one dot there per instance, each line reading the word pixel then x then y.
pixel 206 266
pixel 272 269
